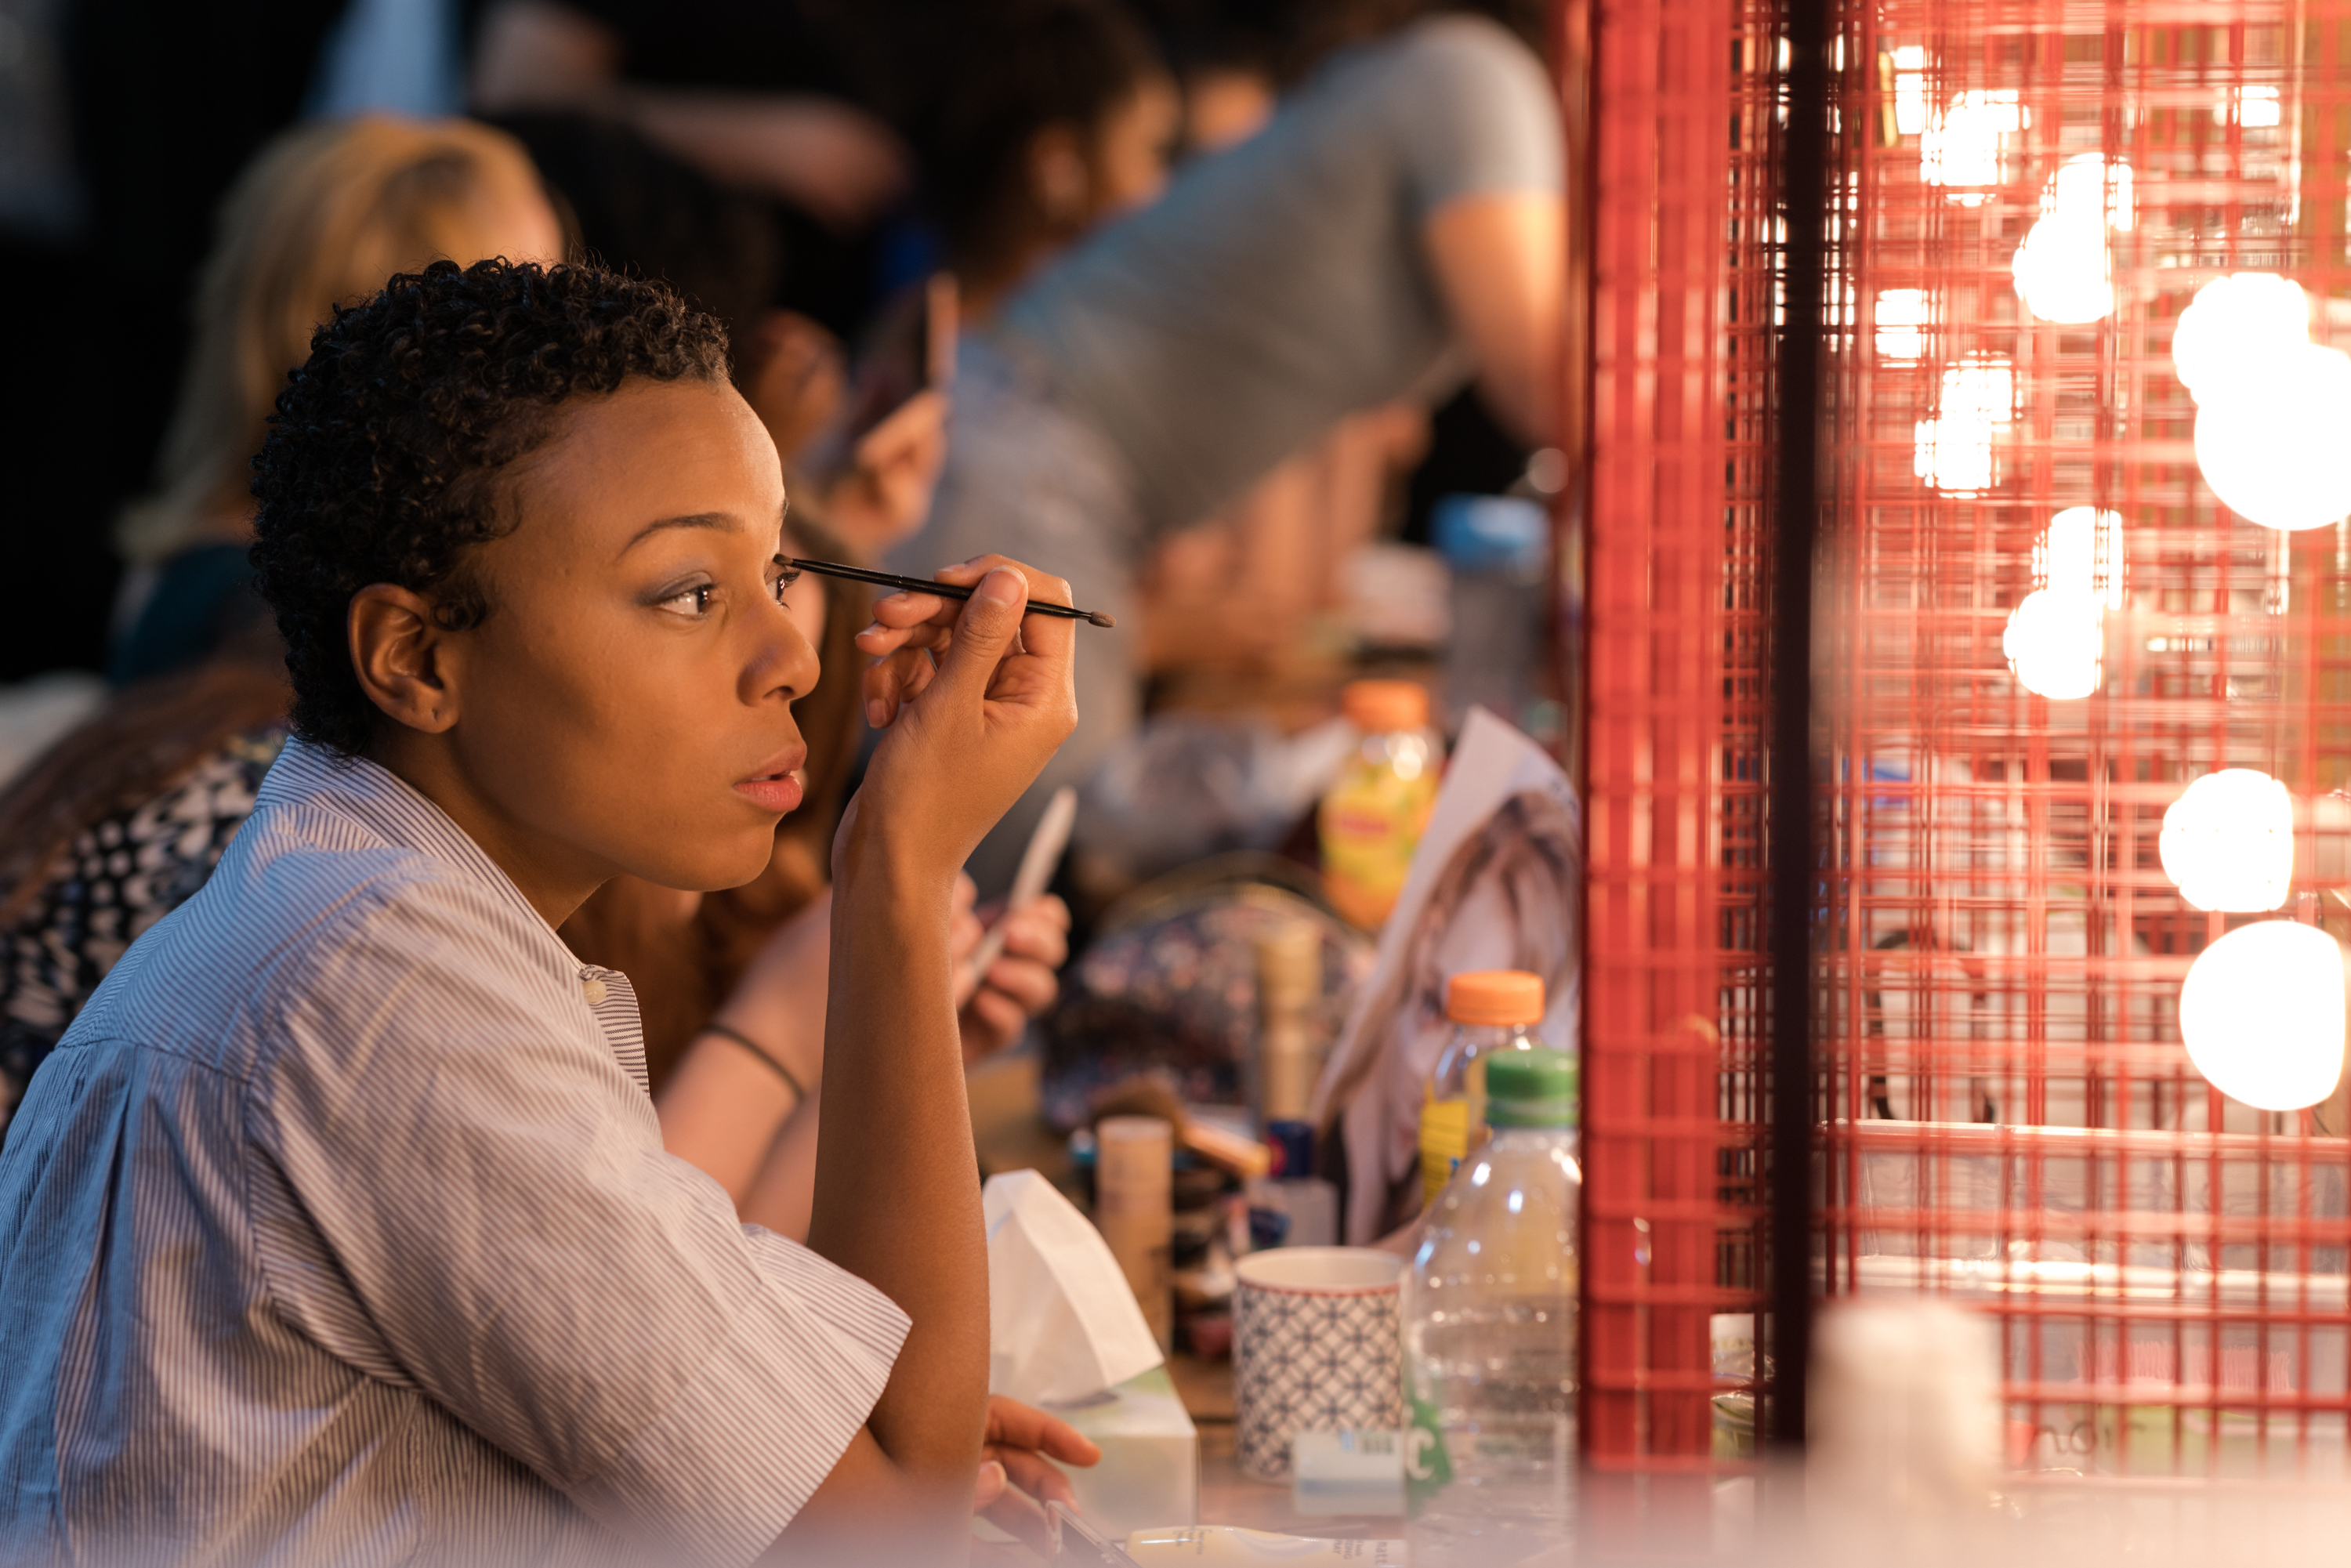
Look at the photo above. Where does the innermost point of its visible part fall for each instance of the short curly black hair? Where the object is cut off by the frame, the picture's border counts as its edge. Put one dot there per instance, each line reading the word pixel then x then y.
pixel 381 460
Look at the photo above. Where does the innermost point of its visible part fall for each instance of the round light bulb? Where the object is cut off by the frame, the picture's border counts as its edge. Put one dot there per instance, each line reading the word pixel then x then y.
pixel 2239 328
pixel 2065 273
pixel 2228 842
pixel 2274 447
pixel 2261 1015
pixel 2081 550
pixel 2055 642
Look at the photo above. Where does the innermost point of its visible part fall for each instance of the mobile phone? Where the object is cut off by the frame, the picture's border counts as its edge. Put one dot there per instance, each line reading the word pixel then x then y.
pixel 910 349
pixel 1077 1544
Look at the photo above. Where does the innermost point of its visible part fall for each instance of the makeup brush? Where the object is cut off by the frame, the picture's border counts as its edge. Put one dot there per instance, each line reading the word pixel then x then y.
pixel 943 589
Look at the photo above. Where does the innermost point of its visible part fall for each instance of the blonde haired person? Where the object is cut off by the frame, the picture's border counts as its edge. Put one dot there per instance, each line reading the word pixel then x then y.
pixel 321 218
pixel 123 818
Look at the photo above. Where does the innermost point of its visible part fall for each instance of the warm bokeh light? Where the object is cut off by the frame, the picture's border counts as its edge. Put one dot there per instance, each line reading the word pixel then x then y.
pixel 2261 1015
pixel 2238 328
pixel 1901 317
pixel 2276 447
pixel 2056 643
pixel 2254 108
pixel 2065 272
pixel 1962 145
pixel 1952 451
pixel 2081 551
pixel 2228 842
pixel 2064 269
pixel 1911 113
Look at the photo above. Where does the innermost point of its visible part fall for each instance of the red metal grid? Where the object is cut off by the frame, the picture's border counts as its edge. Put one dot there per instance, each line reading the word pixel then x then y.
pixel 2011 1118
pixel 1680 236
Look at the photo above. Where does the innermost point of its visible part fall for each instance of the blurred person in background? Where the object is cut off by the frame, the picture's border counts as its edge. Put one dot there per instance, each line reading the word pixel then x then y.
pixel 1225 55
pixel 1398 225
pixel 1044 119
pixel 1244 592
pixel 321 219
pixel 786 97
pixel 124 819
pixel 638 207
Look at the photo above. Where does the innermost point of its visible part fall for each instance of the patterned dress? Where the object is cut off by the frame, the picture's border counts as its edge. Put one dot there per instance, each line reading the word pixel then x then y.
pixel 122 875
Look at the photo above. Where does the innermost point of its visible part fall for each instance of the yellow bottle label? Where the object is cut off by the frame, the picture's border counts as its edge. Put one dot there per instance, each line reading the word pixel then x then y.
pixel 1370 824
pixel 1443 1144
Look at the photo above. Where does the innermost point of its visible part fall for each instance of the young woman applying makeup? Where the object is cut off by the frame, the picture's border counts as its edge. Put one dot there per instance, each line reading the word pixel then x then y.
pixel 339 1224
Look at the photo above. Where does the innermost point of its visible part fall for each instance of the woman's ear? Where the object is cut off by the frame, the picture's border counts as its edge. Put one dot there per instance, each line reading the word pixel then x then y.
pixel 403 657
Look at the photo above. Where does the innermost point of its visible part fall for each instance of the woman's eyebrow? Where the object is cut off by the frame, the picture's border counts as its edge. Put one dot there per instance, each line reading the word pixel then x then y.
pixel 723 521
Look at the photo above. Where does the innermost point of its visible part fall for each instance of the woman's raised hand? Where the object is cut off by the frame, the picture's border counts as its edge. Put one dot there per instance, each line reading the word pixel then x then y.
pixel 976 699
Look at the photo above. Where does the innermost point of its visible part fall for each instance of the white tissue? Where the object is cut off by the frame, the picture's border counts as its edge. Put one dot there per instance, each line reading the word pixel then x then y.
pixel 1062 1324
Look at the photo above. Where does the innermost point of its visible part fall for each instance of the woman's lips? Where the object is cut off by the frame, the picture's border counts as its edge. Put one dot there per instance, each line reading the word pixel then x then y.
pixel 779 794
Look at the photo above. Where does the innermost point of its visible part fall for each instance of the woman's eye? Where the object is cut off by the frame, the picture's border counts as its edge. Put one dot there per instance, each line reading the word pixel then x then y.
pixel 783 582
pixel 693 601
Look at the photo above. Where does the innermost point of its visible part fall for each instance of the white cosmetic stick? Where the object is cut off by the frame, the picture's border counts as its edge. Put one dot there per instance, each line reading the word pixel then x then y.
pixel 1037 863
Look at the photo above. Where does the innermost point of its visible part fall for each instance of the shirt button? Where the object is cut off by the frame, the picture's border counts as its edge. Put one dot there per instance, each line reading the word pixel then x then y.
pixel 594 990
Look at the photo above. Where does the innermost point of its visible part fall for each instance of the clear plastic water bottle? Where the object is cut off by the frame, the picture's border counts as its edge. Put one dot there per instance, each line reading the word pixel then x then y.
pixel 1489 1309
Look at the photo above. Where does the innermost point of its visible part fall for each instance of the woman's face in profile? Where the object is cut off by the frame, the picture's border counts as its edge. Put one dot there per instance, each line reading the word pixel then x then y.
pixel 629 697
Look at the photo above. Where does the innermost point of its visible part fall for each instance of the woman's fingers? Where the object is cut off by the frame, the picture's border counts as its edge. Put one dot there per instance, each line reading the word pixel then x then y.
pixel 1033 1474
pixel 971 722
pixel 1029 986
pixel 1040 932
pixel 892 682
pixel 991 1485
pixel 1011 1424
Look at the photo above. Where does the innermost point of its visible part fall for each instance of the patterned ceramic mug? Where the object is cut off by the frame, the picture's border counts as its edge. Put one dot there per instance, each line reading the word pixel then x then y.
pixel 1316 1339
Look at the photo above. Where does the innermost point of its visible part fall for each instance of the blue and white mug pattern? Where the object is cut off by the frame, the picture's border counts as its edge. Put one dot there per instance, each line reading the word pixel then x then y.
pixel 1316 1343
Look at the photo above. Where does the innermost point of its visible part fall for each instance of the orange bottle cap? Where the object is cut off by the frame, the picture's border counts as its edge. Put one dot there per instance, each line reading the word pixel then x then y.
pixel 1379 707
pixel 1494 996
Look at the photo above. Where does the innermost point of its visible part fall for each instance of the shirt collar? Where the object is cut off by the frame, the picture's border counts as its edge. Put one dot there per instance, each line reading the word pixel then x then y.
pixel 309 774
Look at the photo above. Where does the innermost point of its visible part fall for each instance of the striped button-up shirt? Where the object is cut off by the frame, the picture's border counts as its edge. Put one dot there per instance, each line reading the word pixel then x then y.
pixel 339 1228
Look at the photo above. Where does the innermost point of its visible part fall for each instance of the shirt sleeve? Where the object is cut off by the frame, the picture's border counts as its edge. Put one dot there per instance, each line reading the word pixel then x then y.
pixel 1476 115
pixel 462 1192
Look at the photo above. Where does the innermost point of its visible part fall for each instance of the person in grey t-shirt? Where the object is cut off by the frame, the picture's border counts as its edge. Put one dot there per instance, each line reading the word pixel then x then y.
pixel 1396 226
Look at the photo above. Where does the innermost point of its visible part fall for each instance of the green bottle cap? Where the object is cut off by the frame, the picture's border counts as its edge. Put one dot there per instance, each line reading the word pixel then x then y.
pixel 1530 1089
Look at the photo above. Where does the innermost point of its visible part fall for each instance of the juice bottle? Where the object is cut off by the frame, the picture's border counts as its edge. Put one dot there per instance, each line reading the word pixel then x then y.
pixel 1371 818
pixel 1491 1010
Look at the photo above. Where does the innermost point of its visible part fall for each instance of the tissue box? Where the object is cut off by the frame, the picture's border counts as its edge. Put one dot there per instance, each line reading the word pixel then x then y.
pixel 1149 1470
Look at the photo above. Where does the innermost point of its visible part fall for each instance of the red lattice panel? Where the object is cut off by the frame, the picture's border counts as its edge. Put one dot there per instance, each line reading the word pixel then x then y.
pixel 1680 259
pixel 2011 1118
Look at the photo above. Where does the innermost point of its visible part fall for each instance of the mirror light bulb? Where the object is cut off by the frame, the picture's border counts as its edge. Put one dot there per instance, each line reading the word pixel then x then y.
pixel 2228 842
pixel 2239 328
pixel 1962 145
pixel 1902 320
pixel 2274 447
pixel 2056 643
pixel 2081 551
pixel 1952 451
pixel 2064 270
pixel 2261 1015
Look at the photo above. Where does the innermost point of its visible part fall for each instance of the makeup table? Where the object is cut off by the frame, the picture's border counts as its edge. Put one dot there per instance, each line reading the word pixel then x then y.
pixel 1228 1497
